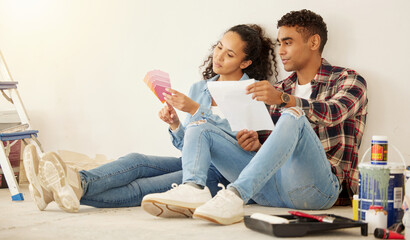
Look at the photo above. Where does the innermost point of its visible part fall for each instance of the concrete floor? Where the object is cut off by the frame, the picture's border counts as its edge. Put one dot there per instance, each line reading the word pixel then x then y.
pixel 23 220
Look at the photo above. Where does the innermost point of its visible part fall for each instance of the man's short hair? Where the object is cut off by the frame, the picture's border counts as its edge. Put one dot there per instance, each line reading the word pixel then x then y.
pixel 308 24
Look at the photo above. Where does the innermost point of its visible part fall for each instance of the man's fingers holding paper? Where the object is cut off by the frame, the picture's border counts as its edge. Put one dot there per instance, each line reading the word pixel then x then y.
pixel 264 91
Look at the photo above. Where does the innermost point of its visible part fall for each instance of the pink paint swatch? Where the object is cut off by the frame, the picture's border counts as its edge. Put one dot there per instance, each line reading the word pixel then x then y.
pixel 158 81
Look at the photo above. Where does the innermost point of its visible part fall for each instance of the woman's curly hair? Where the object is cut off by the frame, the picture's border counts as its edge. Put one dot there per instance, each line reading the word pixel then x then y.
pixel 308 23
pixel 259 49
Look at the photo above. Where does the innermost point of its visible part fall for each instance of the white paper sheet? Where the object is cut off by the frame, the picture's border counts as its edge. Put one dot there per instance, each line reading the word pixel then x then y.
pixel 239 109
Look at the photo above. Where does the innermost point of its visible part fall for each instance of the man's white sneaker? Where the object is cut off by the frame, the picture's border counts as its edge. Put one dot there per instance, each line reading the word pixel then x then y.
pixel 225 208
pixel 180 201
pixel 63 181
pixel 40 194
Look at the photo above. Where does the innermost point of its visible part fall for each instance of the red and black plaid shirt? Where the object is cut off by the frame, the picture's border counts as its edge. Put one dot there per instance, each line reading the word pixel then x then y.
pixel 337 111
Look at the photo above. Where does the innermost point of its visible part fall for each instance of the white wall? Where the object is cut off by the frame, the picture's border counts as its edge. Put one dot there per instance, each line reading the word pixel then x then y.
pixel 80 64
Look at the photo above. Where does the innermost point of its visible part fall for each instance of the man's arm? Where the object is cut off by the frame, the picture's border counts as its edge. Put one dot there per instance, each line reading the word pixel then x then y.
pixel 349 98
pixel 351 95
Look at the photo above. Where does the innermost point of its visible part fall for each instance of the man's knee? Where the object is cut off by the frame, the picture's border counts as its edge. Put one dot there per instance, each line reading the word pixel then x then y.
pixel 294 111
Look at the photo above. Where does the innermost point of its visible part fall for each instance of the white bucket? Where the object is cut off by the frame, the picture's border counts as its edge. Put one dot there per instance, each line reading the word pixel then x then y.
pixel 372 191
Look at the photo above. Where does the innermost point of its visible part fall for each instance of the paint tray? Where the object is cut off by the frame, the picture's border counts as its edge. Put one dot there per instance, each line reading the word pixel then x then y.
pixel 300 226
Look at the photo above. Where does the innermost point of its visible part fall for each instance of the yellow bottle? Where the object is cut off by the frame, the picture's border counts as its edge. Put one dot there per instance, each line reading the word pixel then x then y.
pixel 355 204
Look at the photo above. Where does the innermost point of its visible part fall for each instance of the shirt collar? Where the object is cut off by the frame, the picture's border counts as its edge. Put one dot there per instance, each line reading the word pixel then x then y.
pixel 321 76
pixel 324 72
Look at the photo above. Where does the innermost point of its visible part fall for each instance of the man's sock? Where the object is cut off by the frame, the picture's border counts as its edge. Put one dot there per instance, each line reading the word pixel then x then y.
pixel 194 185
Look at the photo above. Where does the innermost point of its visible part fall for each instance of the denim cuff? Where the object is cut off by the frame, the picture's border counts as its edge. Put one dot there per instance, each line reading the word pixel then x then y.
pixel 177 136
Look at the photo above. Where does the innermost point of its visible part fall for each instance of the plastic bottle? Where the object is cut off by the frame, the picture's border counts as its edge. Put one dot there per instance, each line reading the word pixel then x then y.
pixel 376 217
pixel 355 204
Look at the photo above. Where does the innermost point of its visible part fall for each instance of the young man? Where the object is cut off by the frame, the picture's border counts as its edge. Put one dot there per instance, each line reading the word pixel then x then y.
pixel 320 114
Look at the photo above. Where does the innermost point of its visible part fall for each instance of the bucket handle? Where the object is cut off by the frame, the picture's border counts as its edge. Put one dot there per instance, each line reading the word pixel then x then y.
pixel 397 150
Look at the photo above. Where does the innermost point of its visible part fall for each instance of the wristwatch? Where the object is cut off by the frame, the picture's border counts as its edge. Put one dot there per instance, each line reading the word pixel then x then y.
pixel 285 99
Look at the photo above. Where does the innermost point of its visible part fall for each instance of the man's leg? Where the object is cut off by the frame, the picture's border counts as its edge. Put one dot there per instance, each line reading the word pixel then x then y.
pixel 289 165
pixel 291 168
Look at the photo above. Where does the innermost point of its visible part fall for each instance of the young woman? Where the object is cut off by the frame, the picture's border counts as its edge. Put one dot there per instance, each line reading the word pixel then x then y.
pixel 242 53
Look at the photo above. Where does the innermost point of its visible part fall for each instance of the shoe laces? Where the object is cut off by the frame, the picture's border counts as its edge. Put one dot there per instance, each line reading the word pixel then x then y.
pixel 221 186
pixel 222 196
pixel 174 187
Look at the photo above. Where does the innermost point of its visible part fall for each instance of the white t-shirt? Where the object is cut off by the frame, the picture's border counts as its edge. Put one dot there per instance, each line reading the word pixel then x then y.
pixel 303 91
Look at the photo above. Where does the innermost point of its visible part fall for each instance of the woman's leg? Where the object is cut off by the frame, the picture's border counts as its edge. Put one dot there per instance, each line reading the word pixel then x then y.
pixel 131 194
pixel 126 170
pixel 204 144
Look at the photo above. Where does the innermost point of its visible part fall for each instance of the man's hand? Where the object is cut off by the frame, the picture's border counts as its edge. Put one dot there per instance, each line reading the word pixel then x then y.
pixel 181 102
pixel 265 92
pixel 248 140
pixel 169 115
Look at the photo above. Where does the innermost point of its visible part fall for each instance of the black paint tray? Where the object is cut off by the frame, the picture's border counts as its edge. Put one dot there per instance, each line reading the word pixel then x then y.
pixel 300 226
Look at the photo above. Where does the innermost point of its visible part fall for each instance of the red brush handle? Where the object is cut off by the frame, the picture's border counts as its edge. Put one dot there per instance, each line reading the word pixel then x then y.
pixel 301 214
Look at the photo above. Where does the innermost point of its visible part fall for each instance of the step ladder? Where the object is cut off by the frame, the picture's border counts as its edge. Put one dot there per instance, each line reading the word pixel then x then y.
pixel 10 136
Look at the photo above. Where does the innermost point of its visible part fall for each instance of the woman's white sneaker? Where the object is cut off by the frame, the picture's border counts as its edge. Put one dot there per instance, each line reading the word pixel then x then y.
pixel 225 208
pixel 39 193
pixel 63 181
pixel 180 201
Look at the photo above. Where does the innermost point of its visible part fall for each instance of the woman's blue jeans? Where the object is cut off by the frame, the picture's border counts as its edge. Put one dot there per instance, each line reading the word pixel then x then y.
pixel 124 182
pixel 289 170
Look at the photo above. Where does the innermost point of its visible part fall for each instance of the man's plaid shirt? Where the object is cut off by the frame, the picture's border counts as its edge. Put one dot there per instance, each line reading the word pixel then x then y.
pixel 337 111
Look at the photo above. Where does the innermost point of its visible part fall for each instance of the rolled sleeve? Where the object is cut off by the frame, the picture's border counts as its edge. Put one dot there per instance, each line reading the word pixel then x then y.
pixel 201 113
pixel 349 97
pixel 177 136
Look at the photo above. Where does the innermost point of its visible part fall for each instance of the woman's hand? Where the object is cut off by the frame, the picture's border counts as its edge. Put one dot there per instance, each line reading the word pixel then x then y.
pixel 169 115
pixel 181 102
pixel 248 140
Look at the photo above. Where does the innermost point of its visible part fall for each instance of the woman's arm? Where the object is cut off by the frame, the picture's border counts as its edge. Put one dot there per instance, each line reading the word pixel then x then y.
pixel 181 101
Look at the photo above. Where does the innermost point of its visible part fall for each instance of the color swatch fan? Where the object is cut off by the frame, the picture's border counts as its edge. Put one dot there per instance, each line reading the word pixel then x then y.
pixel 158 81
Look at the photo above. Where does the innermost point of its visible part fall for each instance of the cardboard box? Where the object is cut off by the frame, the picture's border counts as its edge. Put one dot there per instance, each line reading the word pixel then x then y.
pixel 14 158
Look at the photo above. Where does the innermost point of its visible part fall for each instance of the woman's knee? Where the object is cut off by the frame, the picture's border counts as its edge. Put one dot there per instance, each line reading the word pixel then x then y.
pixel 133 157
pixel 199 126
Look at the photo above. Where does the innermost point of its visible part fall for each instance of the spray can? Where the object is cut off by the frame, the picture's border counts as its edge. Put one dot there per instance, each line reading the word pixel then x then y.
pixel 379 150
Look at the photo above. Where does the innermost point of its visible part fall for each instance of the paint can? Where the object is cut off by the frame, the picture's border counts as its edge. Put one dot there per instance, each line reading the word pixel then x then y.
pixel 382 185
pixel 379 150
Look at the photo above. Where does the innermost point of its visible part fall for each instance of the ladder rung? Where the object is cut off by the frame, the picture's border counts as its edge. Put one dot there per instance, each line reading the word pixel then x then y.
pixel 8 85
pixel 18 135
pixel 18 128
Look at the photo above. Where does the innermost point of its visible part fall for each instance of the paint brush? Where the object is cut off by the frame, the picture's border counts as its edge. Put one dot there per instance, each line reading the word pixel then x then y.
pixel 320 218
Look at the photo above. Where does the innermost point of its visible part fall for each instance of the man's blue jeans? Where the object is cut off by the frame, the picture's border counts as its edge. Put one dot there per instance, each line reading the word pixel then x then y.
pixel 124 182
pixel 290 169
